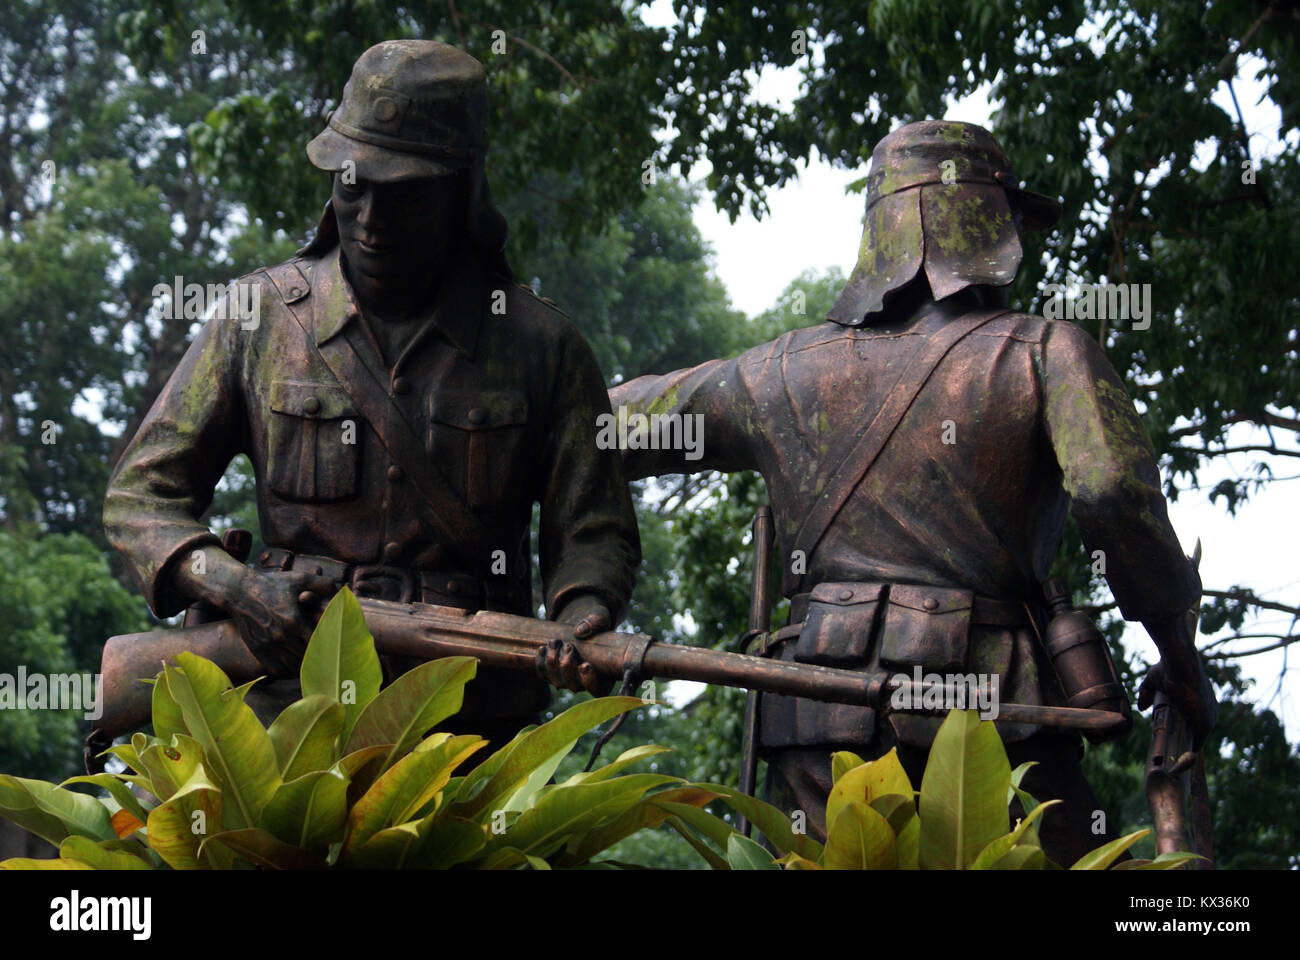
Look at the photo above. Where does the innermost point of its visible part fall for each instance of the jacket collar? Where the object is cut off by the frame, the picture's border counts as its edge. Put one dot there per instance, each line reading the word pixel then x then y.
pixel 457 312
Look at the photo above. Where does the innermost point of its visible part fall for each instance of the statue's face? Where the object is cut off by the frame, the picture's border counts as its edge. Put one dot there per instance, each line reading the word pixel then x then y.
pixel 395 232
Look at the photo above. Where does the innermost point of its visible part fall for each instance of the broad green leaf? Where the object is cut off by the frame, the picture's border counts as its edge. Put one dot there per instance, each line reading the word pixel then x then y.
pixel 1023 857
pixel 842 761
pixel 860 839
pixel 649 812
pixel 709 855
pixel 774 824
pixel 177 827
pixel 1166 861
pixel 408 708
pixel 623 761
pixel 308 812
pixel 117 788
pixel 389 849
pixel 341 662
pixel 406 787
pixel 792 861
pixel 882 777
pixel 126 753
pixel 573 810
pixel 170 765
pixel 264 849
pixel 51 813
pixel 909 844
pixel 101 855
pixel 744 854
pixel 306 734
pixel 526 753
pixel 448 841
pixel 57 863
pixel 168 719
pixel 361 767
pixel 1108 853
pixel 237 750
pixel 716 830
pixel 537 863
pixel 999 848
pixel 963 793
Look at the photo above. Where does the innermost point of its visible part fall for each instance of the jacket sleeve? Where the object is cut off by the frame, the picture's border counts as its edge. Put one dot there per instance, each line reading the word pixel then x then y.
pixel 1108 467
pixel 707 408
pixel 588 540
pixel 167 474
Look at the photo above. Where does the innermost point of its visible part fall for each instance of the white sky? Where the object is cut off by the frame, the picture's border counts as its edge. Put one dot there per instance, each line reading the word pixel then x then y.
pixel 813 224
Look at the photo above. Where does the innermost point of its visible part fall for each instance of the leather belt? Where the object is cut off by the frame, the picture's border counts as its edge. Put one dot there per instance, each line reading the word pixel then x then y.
pixel 381 582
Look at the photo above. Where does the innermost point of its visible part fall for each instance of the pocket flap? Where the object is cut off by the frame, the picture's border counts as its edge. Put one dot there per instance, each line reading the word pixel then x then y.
pixel 479 409
pixel 325 401
pixel 934 600
pixel 845 594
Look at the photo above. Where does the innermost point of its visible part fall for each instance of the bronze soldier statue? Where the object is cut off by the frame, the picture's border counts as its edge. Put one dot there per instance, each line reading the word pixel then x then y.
pixel 403 403
pixel 920 449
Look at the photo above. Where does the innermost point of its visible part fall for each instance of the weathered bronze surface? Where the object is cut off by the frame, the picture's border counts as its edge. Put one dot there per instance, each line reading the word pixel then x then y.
pixel 505 641
pixel 402 401
pixel 936 555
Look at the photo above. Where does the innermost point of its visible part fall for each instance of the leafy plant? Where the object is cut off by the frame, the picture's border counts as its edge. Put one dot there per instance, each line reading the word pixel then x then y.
pixel 345 777
pixel 960 822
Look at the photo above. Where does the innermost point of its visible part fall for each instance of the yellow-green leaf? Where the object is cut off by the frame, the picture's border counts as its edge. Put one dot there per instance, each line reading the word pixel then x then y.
pixel 177 827
pixel 306 735
pixel 1105 855
pixel 101 855
pixel 341 662
pixel 860 839
pixel 309 811
pixel 52 813
pixel 963 793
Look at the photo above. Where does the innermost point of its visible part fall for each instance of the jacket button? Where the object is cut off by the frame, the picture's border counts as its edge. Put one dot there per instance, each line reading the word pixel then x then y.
pixel 401 385
pixel 846 594
pixel 295 291
pixel 477 416
pixel 394 473
pixel 311 405
pixel 452 588
pixel 391 550
pixel 930 603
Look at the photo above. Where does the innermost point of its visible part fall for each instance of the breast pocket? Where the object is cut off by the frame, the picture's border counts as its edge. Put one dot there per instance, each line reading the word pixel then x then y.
pixel 479 440
pixel 314 445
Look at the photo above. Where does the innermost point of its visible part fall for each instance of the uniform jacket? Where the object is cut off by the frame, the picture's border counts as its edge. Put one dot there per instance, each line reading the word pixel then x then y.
pixel 432 462
pixel 1022 421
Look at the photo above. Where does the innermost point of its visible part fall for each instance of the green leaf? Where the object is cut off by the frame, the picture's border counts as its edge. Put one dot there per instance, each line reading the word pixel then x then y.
pixel 744 854
pixel 117 788
pixel 264 849
pixel 407 786
pixel 770 821
pixel 622 762
pixel 573 810
pixel 1023 857
pixel 58 863
pixel 306 734
pixel 963 792
pixel 709 855
pixel 882 777
pixel 516 761
pixel 101 855
pixel 177 827
pixel 1105 855
pixel 237 749
pixel 860 839
pixel 999 848
pixel 341 662
pixel 51 813
pixel 170 765
pixel 408 708
pixel 842 761
pixel 1166 861
pixel 167 716
pixel 309 812
pixel 649 812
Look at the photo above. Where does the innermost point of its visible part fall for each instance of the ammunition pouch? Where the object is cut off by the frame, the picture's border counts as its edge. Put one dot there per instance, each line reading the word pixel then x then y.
pixel 839 624
pixel 927 627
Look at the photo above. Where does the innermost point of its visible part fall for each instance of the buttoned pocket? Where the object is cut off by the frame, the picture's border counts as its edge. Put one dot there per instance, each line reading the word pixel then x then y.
pixel 927 627
pixel 840 621
pixel 479 439
pixel 314 445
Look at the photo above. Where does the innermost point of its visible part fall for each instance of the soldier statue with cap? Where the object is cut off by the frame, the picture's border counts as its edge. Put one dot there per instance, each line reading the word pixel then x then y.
pixel 920 449
pixel 403 404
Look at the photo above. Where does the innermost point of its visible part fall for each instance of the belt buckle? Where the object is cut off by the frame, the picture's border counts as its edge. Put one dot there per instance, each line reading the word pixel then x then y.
pixel 367 576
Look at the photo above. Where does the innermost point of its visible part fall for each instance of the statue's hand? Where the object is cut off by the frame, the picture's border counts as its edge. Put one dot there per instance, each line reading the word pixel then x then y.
pixel 561 663
pixel 1189 689
pixel 276 613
